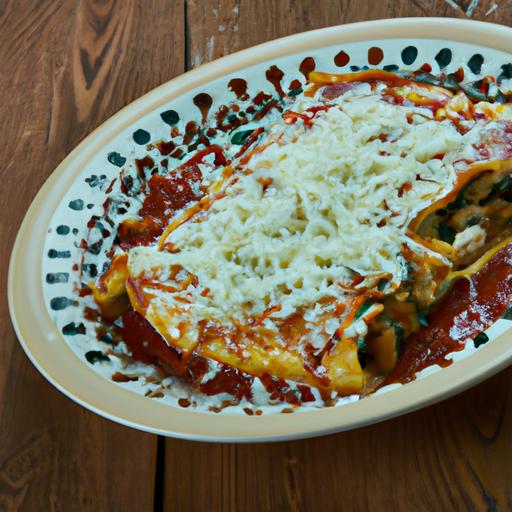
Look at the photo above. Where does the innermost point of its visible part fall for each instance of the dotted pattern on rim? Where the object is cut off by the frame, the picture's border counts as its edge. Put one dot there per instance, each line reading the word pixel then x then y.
pixel 82 233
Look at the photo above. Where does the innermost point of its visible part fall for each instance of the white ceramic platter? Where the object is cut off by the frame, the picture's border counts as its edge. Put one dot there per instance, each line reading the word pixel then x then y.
pixel 43 277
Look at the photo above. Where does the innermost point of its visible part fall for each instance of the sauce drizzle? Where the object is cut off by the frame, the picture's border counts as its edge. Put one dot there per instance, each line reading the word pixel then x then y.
pixel 470 307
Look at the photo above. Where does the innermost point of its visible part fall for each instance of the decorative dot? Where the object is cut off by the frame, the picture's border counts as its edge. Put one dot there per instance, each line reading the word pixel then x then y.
pixel 203 102
pixel 58 277
pixel 116 159
pixel 76 204
pixel 59 303
pixel 95 356
pixel 307 66
pixel 444 57
pixel 239 87
pixel 390 68
pixel 480 339
pixel 62 230
pixel 409 55
pixel 90 206
pixel 91 268
pixel 170 117
pixel 95 248
pixel 475 63
pixel 75 231
pixel 72 329
pixel 52 253
pixel 141 136
pixel 341 59
pixel 354 68
pixel 506 72
pixel 183 402
pixel 92 180
pixel 375 55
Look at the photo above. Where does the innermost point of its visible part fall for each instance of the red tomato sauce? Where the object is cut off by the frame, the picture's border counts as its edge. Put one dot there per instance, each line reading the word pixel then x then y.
pixel 165 196
pixel 470 307
pixel 147 346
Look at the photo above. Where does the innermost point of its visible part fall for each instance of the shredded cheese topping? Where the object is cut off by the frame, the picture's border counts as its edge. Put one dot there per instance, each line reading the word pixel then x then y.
pixel 316 207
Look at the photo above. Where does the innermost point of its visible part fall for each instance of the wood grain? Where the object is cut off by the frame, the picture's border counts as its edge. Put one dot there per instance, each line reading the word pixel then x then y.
pixel 452 456
pixel 218 27
pixel 66 67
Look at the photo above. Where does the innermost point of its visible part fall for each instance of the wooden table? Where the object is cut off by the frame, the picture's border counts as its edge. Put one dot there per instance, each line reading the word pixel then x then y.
pixel 65 67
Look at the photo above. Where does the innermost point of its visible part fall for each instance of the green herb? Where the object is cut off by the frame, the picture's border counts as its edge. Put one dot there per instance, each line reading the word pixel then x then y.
pixel 400 337
pixel 473 91
pixel 295 92
pixel 362 352
pixel 239 138
pixel 408 270
pixel 480 339
pixel 446 233
pixel 363 309
pixel 427 78
pixel 459 202
pixel 107 338
pixel 95 356
pixel 451 82
pixel 503 185
pixel 473 220
pixel 508 314
pixel 382 284
pixel 422 319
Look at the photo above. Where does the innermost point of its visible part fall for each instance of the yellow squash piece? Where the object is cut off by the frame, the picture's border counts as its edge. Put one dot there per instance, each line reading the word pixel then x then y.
pixel 252 349
pixel 110 290
pixel 343 367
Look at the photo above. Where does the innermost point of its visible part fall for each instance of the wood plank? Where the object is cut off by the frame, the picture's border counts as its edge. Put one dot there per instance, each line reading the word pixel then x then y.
pixel 66 67
pixel 219 27
pixel 451 456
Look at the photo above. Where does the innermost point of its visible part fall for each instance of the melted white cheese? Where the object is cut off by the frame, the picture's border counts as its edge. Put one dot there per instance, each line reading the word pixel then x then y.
pixel 333 202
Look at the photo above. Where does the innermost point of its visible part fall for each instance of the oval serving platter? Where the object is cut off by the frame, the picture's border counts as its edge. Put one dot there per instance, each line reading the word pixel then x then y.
pixel 57 249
